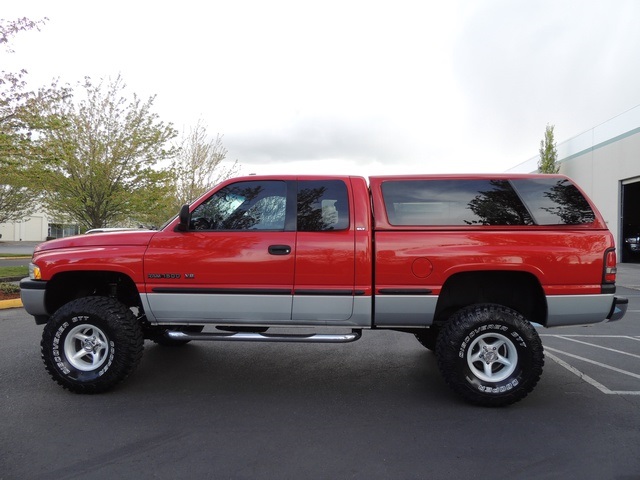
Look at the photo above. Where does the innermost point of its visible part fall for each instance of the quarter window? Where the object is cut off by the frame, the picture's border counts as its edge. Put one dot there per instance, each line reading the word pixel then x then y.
pixel 322 205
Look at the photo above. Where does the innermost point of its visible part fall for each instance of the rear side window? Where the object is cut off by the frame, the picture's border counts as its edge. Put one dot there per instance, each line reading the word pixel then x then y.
pixel 539 201
pixel 554 201
pixel 322 205
pixel 453 202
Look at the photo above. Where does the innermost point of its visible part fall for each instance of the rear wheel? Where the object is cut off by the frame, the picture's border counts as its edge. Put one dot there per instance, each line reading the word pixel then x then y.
pixel 91 344
pixel 490 355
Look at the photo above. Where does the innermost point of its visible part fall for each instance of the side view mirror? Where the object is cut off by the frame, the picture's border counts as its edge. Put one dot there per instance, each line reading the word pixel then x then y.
pixel 184 217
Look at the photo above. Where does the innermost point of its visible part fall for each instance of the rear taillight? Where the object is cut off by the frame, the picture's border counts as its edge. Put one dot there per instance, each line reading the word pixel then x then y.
pixel 610 261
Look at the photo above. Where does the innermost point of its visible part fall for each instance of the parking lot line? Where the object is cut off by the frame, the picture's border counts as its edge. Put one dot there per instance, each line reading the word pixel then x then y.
pixel 586 377
pixel 588 336
pixel 578 373
pixel 568 338
pixel 593 362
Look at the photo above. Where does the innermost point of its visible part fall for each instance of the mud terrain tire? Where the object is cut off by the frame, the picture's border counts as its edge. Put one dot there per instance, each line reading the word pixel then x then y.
pixel 490 355
pixel 91 344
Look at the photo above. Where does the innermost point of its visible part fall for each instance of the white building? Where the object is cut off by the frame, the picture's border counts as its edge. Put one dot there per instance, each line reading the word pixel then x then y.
pixel 36 228
pixel 605 162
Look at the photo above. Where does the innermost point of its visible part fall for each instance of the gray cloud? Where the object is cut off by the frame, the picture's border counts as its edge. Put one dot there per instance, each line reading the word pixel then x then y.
pixel 320 138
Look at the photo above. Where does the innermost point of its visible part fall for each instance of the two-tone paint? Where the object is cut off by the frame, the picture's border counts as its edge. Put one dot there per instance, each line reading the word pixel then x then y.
pixel 372 274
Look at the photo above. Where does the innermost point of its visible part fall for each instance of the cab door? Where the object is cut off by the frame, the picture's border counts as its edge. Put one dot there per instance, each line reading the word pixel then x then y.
pixel 325 253
pixel 234 264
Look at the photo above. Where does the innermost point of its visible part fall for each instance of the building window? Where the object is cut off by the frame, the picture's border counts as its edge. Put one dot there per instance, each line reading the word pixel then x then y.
pixel 61 230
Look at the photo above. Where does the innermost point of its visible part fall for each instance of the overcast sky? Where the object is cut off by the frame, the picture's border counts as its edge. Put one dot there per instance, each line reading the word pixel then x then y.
pixel 357 87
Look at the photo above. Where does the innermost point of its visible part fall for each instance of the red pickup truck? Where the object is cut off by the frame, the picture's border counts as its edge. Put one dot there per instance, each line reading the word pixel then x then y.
pixel 469 264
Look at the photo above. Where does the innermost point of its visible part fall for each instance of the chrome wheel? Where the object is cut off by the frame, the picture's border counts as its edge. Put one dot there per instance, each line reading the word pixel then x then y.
pixel 492 357
pixel 91 344
pixel 490 354
pixel 86 347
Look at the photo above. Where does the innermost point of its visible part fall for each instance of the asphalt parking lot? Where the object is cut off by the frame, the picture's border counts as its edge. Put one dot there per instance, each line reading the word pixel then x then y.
pixel 610 363
pixel 376 408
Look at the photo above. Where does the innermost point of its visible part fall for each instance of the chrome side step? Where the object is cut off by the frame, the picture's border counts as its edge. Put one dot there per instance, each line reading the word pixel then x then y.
pixel 266 337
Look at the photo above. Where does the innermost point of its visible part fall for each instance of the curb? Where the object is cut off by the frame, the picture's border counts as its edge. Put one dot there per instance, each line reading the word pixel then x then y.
pixel 15 303
pixel 11 279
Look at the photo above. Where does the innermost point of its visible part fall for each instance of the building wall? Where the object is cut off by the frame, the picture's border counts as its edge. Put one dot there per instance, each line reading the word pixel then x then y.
pixel 601 170
pixel 31 229
pixel 600 160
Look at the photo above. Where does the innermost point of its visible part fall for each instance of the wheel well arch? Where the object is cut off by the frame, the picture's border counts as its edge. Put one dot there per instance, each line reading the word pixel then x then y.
pixel 520 291
pixel 67 286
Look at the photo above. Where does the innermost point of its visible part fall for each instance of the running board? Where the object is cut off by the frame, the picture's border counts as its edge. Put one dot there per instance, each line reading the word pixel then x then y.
pixel 266 337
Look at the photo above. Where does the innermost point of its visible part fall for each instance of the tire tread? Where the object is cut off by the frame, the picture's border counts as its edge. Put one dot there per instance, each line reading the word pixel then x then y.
pixel 454 332
pixel 124 324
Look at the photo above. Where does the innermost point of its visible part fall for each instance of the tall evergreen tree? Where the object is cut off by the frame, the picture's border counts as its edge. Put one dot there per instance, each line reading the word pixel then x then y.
pixel 548 153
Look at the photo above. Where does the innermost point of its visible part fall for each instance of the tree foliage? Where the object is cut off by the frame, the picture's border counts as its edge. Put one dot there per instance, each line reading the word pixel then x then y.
pixel 198 165
pixel 100 167
pixel 19 116
pixel 103 160
pixel 499 206
pixel 548 153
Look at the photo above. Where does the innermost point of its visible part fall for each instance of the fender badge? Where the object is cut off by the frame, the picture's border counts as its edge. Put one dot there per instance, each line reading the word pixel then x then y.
pixel 173 276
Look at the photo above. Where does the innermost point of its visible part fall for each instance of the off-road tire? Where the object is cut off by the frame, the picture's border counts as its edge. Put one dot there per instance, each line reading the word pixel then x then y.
pixel 91 344
pixel 490 355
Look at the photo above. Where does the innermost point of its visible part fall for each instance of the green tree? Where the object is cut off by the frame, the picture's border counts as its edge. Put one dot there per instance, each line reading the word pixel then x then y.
pixel 198 166
pixel 100 167
pixel 20 115
pixel 548 153
pixel 16 200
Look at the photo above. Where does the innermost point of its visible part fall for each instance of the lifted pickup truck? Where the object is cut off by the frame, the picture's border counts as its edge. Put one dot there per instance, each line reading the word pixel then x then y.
pixel 466 263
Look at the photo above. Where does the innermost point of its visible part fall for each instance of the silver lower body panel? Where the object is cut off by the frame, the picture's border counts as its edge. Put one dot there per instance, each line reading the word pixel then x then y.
pixel 565 310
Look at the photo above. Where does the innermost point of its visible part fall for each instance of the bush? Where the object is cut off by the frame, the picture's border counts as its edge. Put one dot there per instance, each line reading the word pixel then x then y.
pixel 9 288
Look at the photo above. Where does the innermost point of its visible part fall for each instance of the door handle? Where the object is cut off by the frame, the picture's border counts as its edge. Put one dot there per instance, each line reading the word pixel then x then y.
pixel 279 249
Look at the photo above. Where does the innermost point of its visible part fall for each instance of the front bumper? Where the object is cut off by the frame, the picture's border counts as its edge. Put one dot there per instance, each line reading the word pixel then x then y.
pixel 32 294
pixel 618 309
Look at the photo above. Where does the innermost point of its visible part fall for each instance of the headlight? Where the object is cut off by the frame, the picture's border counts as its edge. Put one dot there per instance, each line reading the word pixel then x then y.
pixel 633 240
pixel 34 272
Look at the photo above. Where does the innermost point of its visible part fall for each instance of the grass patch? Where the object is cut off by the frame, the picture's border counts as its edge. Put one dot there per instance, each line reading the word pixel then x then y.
pixel 11 272
pixel 14 255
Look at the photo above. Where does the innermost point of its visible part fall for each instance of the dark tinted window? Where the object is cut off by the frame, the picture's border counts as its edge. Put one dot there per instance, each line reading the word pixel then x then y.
pixel 453 202
pixel 259 205
pixel 322 205
pixel 554 201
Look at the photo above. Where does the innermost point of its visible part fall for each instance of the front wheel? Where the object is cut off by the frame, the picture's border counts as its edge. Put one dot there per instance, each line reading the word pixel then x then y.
pixel 490 355
pixel 91 344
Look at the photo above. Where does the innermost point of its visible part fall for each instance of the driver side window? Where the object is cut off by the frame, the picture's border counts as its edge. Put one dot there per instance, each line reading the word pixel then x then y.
pixel 258 205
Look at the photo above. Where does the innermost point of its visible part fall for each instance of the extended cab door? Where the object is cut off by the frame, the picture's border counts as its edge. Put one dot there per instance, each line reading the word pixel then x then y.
pixel 325 249
pixel 234 264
